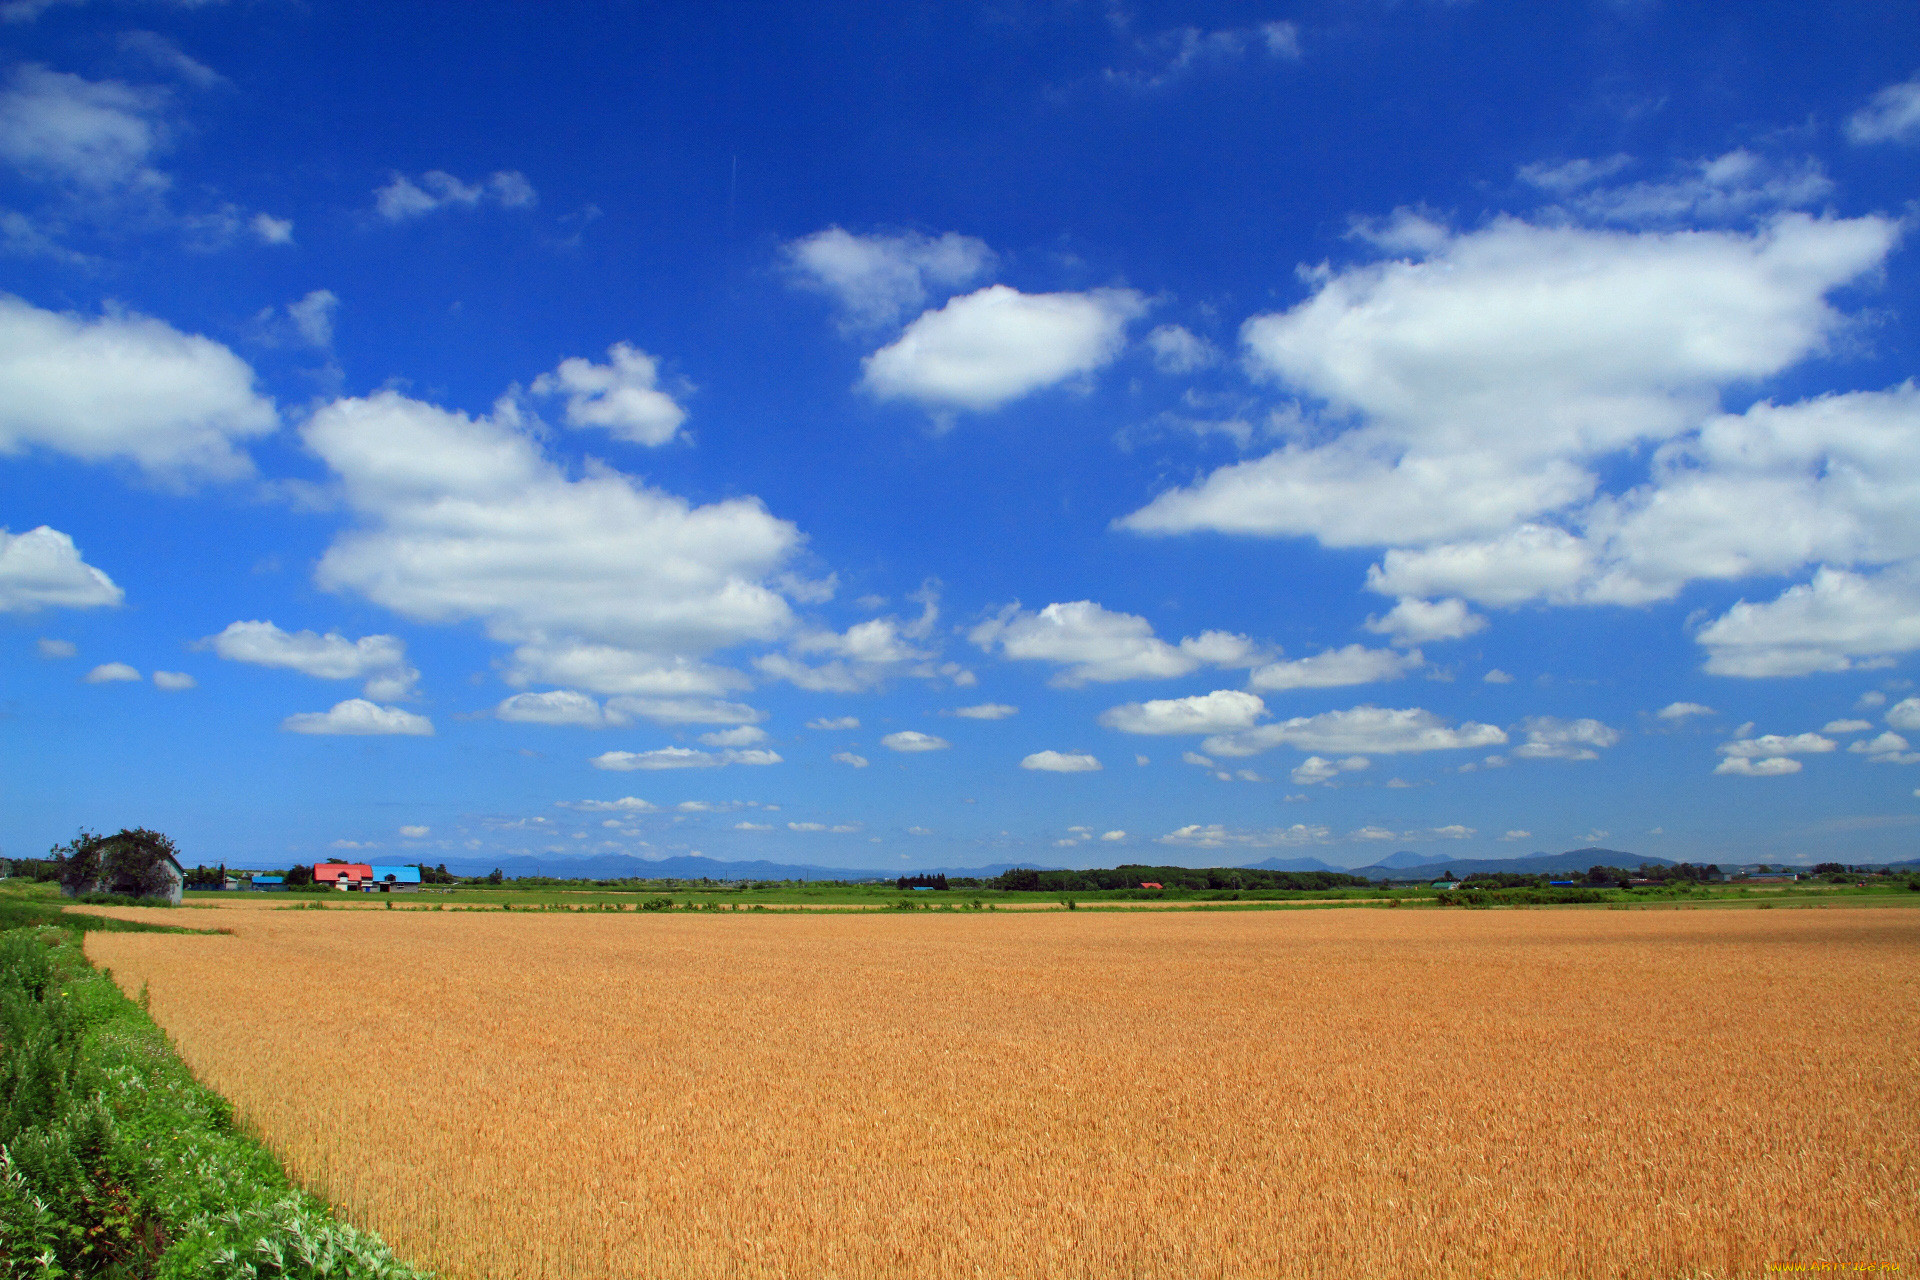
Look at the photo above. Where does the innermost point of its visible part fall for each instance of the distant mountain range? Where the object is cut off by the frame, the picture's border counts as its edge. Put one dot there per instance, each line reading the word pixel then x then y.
pixel 1401 865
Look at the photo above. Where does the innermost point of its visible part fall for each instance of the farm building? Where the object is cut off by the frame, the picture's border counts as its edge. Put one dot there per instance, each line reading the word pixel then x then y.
pixel 269 884
pixel 343 875
pixel 396 879
pixel 163 878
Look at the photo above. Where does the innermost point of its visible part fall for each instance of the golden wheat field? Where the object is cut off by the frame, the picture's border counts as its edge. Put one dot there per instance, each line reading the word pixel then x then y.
pixel 1274 1094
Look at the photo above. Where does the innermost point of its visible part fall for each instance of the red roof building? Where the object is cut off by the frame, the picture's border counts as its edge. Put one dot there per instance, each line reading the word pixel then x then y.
pixel 343 875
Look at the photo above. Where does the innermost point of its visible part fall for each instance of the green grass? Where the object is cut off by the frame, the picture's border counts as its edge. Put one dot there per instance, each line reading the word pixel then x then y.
pixel 115 1163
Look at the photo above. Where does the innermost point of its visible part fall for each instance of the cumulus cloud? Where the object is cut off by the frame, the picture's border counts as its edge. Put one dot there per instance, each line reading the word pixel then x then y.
pixel 1846 726
pixel 1216 712
pixel 680 758
pixel 1837 622
pixel 1887 748
pixel 91 135
pixel 910 740
pixel 1061 762
pixel 986 711
pixel 1729 187
pixel 746 735
pixel 1167 57
pixel 1549 738
pixel 1462 398
pixel 173 681
pixel 555 707
pixel 1178 350
pixel 850 758
pixel 357 716
pixel 1425 621
pixel 111 673
pixel 54 650
pixel 1765 767
pixel 878 278
pixel 836 722
pixel 1317 770
pixel 602 583
pixel 403 198
pixel 1097 644
pixel 1214 835
pixel 1683 710
pixel 1363 730
pixel 379 660
pixel 984 349
pixel 626 804
pixel 1776 744
pixel 1336 668
pixel 271 230
pixel 622 396
pixel 125 387
pixel 1892 115
pixel 42 569
pixel 1904 714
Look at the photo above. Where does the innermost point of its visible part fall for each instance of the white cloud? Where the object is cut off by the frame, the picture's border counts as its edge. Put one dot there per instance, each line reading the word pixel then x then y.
pixel 1363 730
pixel 1142 761
pixel 986 348
pixel 42 569
pixel 125 387
pixel 1424 621
pixel 679 758
pixel 1495 676
pixel 173 681
pixel 52 650
pixel 1113 836
pixel 111 673
pixel 1837 622
pixel 1318 769
pixel 380 660
pixel 555 707
pixel 272 230
pixel 848 757
pixel 1904 714
pixel 312 317
pixel 403 198
pixel 745 735
pixel 1549 738
pixel 1216 712
pixel 911 740
pixel 1766 767
pixel 1846 726
pixel 1518 834
pixel 1887 748
pixel 1489 372
pixel 1216 836
pixel 1775 744
pixel 91 135
pixel 1061 762
pixel 1372 833
pixel 1167 57
pixel 879 278
pixel 986 711
pixel 753 826
pixel 416 833
pixel 1684 710
pixel 626 804
pixel 358 716
pixel 1870 699
pixel 1177 350
pixel 603 583
pixel 1892 115
pixel 1194 757
pixel 806 826
pixel 1452 831
pixel 622 395
pixel 1336 668
pixel 1730 187
pixel 1096 644
pixel 837 722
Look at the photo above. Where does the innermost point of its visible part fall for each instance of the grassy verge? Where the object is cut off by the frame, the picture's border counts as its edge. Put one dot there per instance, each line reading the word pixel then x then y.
pixel 115 1163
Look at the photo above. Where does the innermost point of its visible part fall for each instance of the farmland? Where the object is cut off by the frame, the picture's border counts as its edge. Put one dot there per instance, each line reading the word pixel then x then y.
pixel 1568 1092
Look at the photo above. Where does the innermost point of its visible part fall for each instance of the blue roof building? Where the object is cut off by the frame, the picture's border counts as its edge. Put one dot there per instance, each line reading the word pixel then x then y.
pixel 385 878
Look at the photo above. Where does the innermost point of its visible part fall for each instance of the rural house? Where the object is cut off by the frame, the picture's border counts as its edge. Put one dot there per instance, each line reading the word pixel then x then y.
pixel 396 879
pixel 343 875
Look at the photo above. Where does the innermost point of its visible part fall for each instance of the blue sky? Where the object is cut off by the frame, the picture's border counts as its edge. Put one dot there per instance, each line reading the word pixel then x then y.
pixel 938 435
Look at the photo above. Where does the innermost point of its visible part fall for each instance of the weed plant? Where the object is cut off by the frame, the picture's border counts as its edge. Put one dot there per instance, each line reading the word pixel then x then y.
pixel 115 1163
